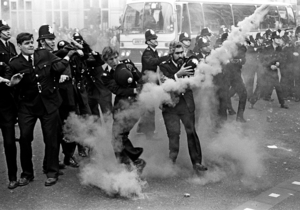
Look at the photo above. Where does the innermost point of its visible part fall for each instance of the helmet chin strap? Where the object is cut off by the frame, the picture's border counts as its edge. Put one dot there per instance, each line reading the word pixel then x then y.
pixel 46 45
pixel 8 37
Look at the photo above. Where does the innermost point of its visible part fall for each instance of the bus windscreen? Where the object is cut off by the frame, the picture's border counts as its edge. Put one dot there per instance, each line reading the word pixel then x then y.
pixel 157 16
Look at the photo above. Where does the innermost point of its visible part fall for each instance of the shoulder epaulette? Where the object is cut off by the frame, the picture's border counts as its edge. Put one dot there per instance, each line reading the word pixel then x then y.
pixel 12 58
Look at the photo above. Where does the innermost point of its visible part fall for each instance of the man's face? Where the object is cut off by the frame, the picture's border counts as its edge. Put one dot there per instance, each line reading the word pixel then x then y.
pixel 278 41
pixel 27 47
pixel 260 41
pixel 113 61
pixel 206 49
pixel 153 42
pixel 187 43
pixel 48 44
pixel 178 54
pixel 5 34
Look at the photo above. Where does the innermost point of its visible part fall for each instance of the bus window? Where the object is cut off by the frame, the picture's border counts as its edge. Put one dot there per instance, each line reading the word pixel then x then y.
pixel 242 11
pixel 291 17
pixel 154 15
pixel 133 17
pixel 283 17
pixel 185 20
pixel 196 16
pixel 216 15
pixel 179 15
pixel 271 19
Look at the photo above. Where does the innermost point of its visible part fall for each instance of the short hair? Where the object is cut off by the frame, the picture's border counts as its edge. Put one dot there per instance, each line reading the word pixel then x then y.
pixel 173 45
pixel 24 37
pixel 108 52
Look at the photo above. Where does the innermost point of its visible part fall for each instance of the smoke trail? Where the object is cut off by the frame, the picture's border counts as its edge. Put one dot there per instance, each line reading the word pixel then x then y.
pixel 102 169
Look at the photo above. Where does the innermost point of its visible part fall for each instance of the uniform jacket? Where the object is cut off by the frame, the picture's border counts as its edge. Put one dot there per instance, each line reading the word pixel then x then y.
pixel 38 86
pixel 270 56
pixel 122 93
pixel 6 53
pixel 168 69
pixel 150 60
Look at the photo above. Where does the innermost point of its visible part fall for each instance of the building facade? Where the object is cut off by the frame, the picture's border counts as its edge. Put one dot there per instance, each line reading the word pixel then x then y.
pixel 31 14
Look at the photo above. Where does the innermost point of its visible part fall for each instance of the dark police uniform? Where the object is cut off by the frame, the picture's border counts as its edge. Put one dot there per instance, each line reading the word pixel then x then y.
pixel 234 69
pixel 38 98
pixel 8 111
pixel 125 112
pixel 182 110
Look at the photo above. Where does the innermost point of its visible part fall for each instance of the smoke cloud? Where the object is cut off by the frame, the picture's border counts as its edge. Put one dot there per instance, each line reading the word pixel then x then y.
pixel 226 153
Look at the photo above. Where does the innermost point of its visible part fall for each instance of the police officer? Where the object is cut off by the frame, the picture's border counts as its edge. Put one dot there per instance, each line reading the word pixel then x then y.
pixel 296 69
pixel 272 59
pixel 150 61
pixel 185 39
pixel 206 34
pixel 258 48
pixel 123 80
pixel 38 98
pixel 7 106
pixel 182 108
pixel 234 70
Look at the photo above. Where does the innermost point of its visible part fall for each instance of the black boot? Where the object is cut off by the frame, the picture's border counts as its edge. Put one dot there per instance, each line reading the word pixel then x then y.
pixel 240 116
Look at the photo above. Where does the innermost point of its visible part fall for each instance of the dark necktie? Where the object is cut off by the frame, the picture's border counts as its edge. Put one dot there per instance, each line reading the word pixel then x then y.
pixel 30 59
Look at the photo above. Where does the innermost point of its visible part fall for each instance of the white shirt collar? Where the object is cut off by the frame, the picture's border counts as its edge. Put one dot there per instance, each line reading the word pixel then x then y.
pixel 174 63
pixel 152 48
pixel 104 66
pixel 4 42
pixel 27 57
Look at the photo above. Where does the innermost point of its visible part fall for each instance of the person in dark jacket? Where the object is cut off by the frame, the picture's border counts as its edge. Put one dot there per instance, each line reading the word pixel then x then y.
pixel 272 59
pixel 182 108
pixel 38 98
pixel 8 109
pixel 123 80
pixel 150 61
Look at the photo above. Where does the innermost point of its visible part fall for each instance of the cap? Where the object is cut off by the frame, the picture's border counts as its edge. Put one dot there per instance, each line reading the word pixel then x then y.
pixel 150 34
pixel 224 37
pixel 184 36
pixel 203 42
pixel 3 25
pixel 46 32
pixel 275 35
pixel 122 75
pixel 77 37
pixel 192 62
pixel 61 44
pixel 258 36
pixel 205 32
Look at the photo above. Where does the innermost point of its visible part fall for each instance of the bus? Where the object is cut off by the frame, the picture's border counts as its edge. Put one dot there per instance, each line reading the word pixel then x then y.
pixel 169 18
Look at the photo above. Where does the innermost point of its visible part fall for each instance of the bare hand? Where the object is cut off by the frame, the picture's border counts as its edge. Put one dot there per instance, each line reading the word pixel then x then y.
pixel 63 78
pixel 185 71
pixel 277 64
pixel 15 79
pixel 274 67
pixel 71 52
pixel 3 80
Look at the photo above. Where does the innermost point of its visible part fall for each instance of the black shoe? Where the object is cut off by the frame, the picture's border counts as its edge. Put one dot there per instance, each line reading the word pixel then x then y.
pixel 72 162
pixel 241 119
pixel 61 165
pixel 231 112
pixel 82 153
pixel 268 99
pixel 12 185
pixel 50 181
pixel 283 106
pixel 199 168
pixel 140 165
pixel 60 173
pixel 25 180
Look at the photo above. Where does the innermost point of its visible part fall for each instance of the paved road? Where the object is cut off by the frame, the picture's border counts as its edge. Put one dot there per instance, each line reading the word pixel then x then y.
pixel 251 166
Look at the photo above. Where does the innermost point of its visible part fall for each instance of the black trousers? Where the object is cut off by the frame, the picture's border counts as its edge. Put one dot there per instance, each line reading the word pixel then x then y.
pixel 49 124
pixel 237 86
pixel 124 121
pixel 7 125
pixel 172 122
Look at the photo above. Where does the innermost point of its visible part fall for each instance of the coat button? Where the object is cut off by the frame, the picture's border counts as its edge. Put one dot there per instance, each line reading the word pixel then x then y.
pixel 37 75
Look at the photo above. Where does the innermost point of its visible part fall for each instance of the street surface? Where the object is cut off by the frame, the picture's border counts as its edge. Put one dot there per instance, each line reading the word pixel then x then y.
pixel 251 166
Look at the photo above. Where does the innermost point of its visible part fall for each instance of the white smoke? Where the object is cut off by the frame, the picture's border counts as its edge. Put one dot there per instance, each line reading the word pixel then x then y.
pixel 226 153
pixel 101 169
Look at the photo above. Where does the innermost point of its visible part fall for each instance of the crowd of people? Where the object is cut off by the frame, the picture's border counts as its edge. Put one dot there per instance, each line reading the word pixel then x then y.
pixel 53 80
